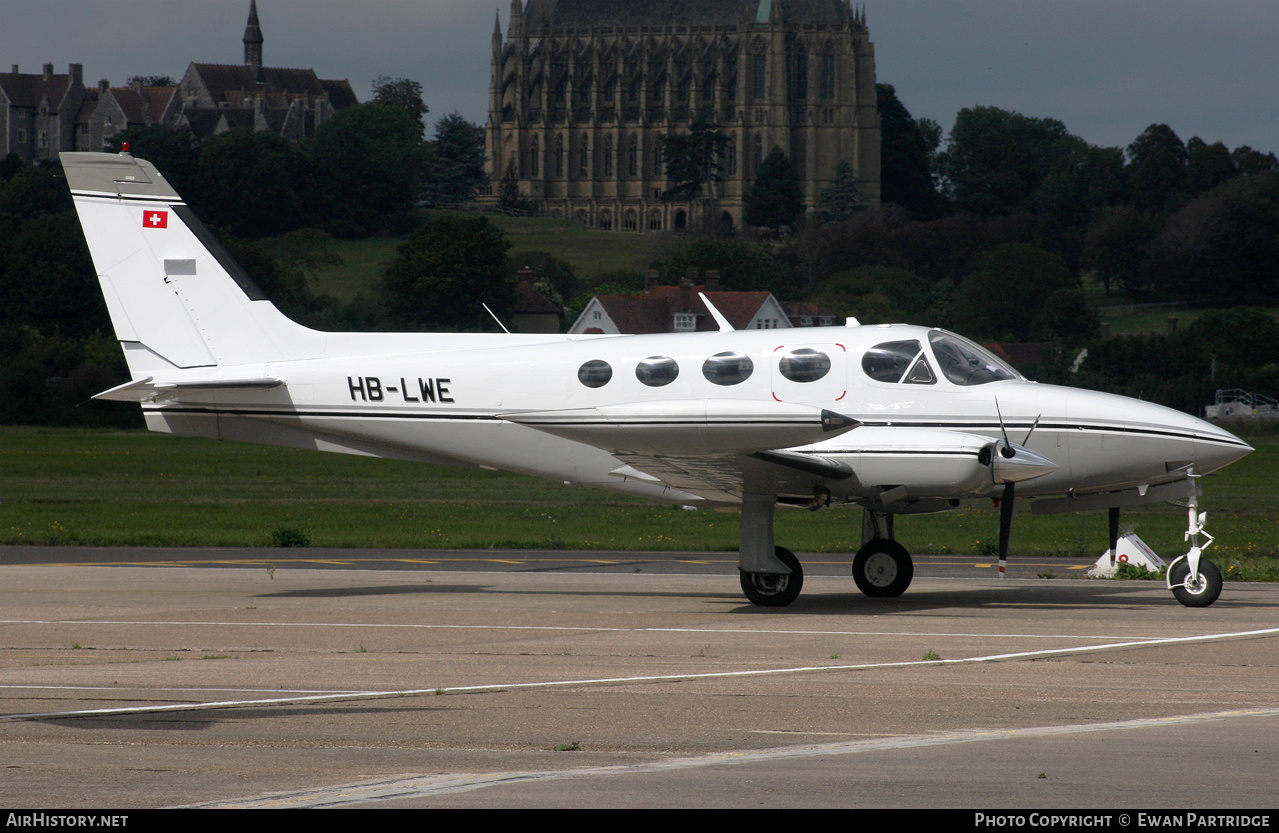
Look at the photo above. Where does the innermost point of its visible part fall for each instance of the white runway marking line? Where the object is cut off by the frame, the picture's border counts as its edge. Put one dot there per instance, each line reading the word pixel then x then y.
pixel 120 689
pixel 654 678
pixel 425 786
pixel 562 628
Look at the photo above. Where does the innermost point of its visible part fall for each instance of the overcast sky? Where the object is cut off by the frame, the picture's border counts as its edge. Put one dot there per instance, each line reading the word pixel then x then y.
pixel 1106 68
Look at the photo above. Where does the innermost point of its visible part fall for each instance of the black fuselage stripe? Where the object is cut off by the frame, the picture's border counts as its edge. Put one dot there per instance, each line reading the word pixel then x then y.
pixel 940 452
pixel 994 427
pixel 958 427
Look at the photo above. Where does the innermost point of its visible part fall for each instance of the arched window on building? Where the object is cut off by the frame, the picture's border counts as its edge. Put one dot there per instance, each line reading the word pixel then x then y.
pixel 799 74
pixel 607 153
pixel 535 157
pixel 828 71
pixel 759 70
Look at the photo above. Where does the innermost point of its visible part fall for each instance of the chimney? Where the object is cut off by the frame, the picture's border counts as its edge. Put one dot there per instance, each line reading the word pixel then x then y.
pixel 103 86
pixel 77 73
pixel 48 71
pixel 712 280
pixel 650 281
pixel 15 69
pixel 690 278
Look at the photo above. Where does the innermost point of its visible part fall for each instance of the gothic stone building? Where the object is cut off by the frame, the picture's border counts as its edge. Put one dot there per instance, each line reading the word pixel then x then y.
pixel 294 103
pixel 43 114
pixel 38 112
pixel 583 90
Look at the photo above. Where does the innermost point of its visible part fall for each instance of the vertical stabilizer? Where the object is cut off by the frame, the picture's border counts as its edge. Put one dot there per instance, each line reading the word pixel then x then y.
pixel 176 299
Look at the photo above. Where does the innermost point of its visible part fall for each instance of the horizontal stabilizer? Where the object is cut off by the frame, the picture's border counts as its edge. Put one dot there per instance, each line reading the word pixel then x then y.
pixel 703 426
pixel 148 390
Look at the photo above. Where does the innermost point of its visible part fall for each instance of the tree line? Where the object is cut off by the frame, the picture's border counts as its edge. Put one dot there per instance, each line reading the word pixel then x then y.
pixel 988 230
pixel 992 229
pixel 273 203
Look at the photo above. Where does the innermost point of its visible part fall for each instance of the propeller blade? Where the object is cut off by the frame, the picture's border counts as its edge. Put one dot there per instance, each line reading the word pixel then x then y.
pixel 1006 504
pixel 1007 450
pixel 1114 534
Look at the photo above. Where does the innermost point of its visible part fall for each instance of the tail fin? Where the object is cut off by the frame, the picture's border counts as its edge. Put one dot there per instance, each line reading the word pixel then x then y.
pixel 176 298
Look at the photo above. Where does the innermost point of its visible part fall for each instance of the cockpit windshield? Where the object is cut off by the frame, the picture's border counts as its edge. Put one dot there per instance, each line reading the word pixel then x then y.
pixel 965 363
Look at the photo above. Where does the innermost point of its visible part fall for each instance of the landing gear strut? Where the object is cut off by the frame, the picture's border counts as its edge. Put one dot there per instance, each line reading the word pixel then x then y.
pixel 1194 580
pixel 771 575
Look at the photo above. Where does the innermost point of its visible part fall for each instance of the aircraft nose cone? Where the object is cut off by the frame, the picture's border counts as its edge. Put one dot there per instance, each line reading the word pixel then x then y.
pixel 1216 448
pixel 1210 447
pixel 1024 464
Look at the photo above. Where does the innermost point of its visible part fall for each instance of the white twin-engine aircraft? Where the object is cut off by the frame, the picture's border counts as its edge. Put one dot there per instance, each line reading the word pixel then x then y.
pixel 896 419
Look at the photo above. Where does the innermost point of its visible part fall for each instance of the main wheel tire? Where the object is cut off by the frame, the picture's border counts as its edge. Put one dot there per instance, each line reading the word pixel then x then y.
pixel 1196 594
pixel 883 568
pixel 775 589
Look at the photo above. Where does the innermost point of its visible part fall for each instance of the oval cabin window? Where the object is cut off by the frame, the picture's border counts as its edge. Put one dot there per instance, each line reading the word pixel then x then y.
pixel 657 371
pixel 728 368
pixel 804 365
pixel 595 374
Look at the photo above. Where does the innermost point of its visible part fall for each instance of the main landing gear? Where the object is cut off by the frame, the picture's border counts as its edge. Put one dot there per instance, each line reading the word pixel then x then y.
pixel 775 589
pixel 771 576
pixel 882 568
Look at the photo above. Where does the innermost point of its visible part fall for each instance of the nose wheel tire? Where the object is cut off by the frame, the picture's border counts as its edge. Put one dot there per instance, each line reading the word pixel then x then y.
pixel 775 589
pixel 1200 592
pixel 883 568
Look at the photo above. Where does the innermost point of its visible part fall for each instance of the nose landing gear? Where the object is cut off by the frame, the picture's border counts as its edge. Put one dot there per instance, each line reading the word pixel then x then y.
pixel 1194 580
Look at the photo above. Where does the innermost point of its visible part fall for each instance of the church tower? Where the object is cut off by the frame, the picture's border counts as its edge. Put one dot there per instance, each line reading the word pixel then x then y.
pixel 253 39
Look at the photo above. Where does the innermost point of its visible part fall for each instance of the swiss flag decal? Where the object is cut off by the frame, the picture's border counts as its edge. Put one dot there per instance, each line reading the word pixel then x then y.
pixel 155 219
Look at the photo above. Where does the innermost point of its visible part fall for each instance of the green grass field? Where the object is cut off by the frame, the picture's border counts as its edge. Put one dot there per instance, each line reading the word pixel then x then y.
pixel 1137 319
pixel 591 252
pixel 360 269
pixel 115 488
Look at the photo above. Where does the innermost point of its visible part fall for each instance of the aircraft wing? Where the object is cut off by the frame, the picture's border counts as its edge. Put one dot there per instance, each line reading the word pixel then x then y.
pixel 721 450
pixel 702 446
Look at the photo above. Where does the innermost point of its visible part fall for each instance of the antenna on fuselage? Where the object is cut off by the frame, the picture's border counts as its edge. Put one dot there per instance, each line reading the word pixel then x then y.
pixel 724 326
pixel 495 318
